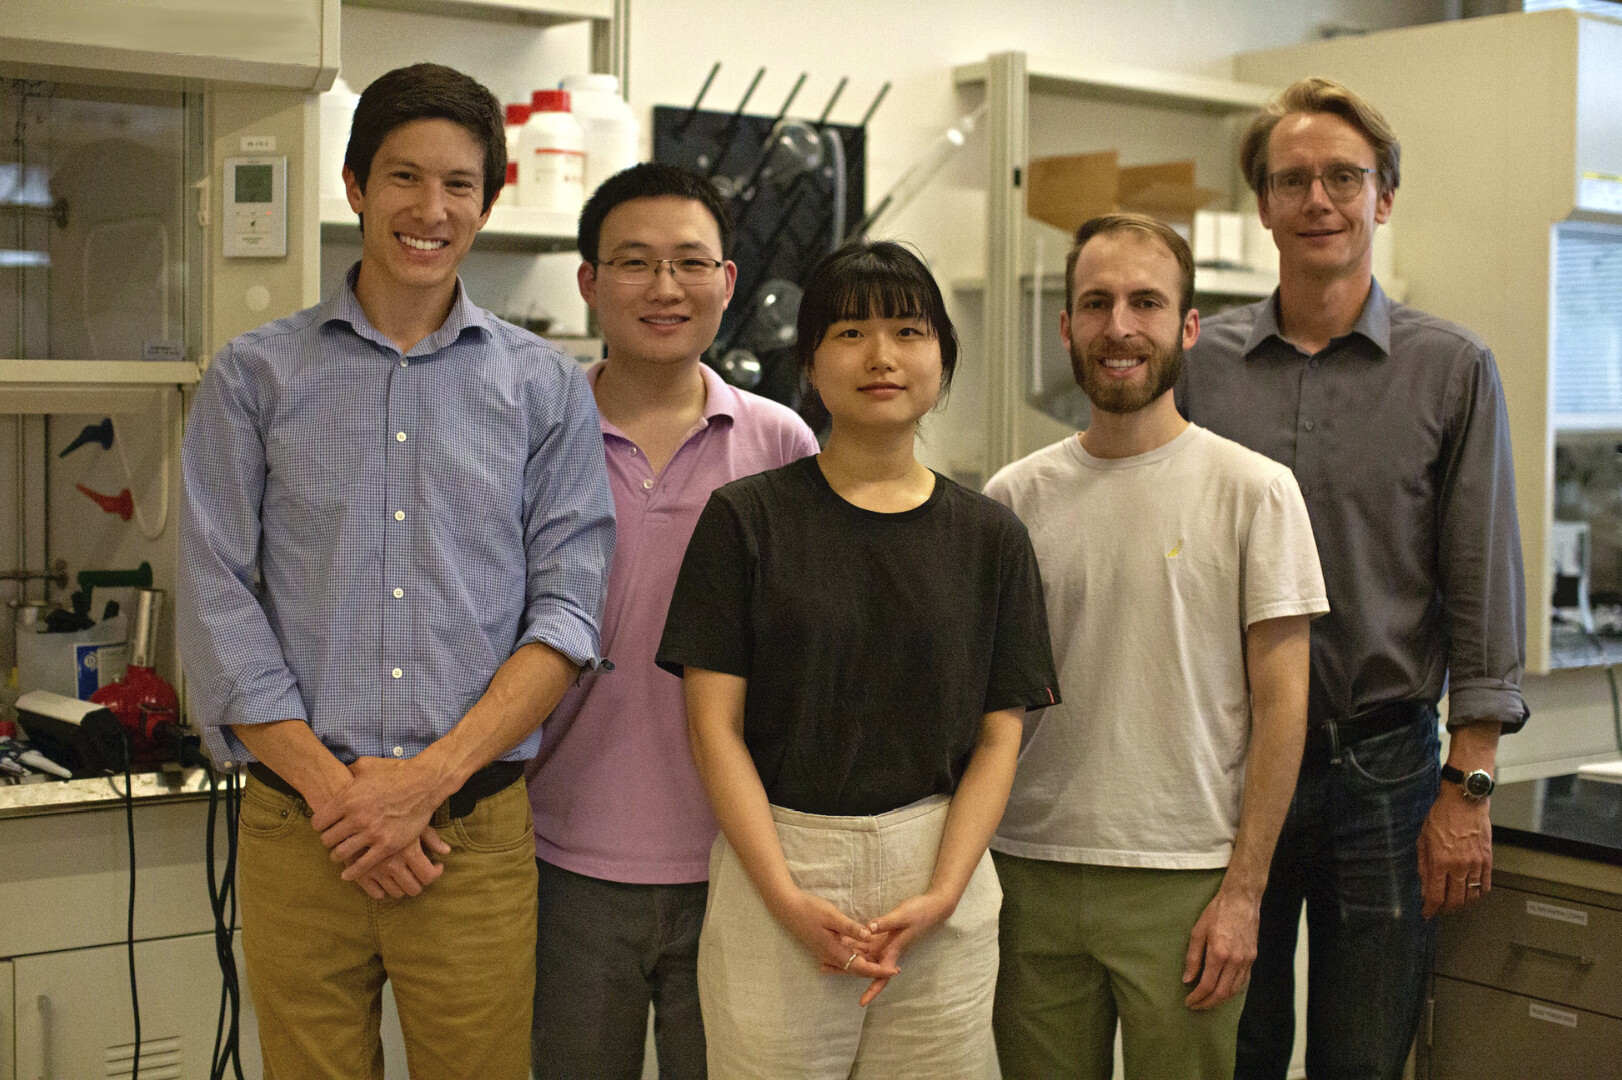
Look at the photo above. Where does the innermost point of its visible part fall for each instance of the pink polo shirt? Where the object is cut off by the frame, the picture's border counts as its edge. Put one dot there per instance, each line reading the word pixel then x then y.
pixel 614 788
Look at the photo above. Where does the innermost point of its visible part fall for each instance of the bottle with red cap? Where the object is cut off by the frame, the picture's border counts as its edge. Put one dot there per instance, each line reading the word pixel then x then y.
pixel 517 117
pixel 551 156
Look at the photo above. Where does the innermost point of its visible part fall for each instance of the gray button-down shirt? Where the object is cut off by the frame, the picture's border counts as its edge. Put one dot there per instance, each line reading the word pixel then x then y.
pixel 1398 436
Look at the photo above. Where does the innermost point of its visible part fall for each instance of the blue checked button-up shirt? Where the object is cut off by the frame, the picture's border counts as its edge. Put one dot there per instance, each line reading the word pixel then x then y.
pixel 366 536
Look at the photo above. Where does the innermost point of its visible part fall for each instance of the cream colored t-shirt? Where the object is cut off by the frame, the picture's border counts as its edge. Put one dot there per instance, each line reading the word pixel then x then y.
pixel 1152 568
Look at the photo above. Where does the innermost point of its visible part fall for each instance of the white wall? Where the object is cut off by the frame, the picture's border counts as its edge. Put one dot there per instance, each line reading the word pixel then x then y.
pixel 914 44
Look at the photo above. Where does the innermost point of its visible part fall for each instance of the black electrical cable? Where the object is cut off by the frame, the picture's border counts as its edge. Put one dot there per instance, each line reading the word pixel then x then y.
pixel 129 820
pixel 214 1070
pixel 222 901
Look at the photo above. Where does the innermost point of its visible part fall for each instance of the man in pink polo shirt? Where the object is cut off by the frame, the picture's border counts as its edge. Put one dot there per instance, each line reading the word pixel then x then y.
pixel 622 826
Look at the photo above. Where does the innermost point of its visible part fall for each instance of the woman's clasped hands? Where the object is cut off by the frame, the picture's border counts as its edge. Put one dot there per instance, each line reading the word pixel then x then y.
pixel 844 946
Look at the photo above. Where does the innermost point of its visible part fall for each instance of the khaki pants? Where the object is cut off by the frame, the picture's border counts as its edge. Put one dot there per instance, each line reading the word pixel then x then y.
pixel 461 956
pixel 769 1014
pixel 1083 946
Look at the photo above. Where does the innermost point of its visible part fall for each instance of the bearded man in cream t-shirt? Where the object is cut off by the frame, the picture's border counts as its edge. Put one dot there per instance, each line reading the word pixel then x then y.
pixel 1180 576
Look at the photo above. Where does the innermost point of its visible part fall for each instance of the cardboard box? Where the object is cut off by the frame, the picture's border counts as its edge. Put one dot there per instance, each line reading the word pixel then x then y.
pixel 1066 191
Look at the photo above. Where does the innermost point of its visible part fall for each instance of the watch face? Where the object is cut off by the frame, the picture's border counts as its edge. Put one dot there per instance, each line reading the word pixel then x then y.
pixel 1478 784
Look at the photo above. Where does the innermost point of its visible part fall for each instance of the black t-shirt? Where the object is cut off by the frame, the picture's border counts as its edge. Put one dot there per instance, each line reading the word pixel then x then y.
pixel 873 643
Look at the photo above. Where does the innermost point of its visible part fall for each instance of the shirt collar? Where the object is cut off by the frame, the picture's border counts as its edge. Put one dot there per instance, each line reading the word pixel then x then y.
pixel 1373 322
pixel 465 315
pixel 720 398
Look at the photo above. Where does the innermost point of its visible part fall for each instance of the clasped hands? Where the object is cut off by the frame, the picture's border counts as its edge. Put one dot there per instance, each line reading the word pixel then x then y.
pixel 843 946
pixel 378 827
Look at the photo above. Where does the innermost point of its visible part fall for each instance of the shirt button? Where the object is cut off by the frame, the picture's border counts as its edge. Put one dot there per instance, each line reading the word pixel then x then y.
pixel 1312 363
pixel 399 436
pixel 647 485
pixel 399 593
pixel 1308 425
pixel 397 673
pixel 632 451
pixel 399 751
pixel 399 515
pixel 405 363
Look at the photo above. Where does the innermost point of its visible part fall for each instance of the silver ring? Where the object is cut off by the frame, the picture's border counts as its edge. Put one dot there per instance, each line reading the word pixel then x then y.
pixel 852 960
pixel 1472 884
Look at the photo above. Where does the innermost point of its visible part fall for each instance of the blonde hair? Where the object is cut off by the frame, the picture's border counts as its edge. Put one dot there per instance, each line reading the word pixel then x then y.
pixel 1317 95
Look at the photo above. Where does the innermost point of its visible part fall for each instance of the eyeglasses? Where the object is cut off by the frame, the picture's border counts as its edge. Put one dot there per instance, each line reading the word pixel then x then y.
pixel 632 270
pixel 1342 183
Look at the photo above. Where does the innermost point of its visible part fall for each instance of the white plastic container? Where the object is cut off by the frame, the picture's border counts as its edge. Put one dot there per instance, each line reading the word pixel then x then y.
pixel 551 156
pixel 337 114
pixel 74 665
pixel 610 127
pixel 517 117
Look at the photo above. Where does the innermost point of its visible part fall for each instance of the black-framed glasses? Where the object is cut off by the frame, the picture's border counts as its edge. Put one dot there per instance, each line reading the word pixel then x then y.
pixel 634 270
pixel 1342 183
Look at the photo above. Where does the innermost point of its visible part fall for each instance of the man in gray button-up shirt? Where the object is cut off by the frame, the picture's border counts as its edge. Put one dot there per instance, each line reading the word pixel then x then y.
pixel 1395 426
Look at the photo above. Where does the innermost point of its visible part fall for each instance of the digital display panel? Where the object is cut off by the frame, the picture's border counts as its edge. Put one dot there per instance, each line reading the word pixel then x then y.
pixel 254 182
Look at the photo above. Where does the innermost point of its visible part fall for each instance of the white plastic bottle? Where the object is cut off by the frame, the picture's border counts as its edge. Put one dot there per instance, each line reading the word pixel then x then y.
pixel 337 113
pixel 551 156
pixel 517 117
pixel 610 126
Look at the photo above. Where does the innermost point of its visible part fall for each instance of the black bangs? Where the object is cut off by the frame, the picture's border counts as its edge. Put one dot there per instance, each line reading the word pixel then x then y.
pixel 873 279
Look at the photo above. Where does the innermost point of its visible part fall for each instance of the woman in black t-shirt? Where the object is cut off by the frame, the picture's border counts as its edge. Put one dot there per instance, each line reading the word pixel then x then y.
pixel 861 638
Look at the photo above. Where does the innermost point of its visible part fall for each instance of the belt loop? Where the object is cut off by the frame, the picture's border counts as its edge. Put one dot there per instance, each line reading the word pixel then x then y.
pixel 1333 728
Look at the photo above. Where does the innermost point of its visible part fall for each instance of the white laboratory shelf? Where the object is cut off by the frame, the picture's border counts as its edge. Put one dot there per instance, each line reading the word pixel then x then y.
pixel 525 12
pixel 1127 85
pixel 510 228
pixel 103 372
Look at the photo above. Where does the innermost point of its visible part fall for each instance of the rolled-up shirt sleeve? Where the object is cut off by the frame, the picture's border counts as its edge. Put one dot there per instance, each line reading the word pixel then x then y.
pixel 1480 572
pixel 235 670
pixel 568 530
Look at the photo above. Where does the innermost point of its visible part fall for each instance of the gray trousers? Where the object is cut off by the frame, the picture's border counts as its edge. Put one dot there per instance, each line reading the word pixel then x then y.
pixel 604 951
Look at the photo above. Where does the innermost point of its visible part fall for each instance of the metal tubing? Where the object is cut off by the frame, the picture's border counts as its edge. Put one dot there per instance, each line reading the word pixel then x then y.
pixel 829 108
pixel 723 141
pixel 699 100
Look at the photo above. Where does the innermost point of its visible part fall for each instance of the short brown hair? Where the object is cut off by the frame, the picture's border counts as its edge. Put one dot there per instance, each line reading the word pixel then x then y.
pixel 1138 223
pixel 1316 95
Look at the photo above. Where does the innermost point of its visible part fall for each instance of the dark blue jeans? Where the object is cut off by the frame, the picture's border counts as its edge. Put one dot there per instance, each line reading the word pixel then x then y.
pixel 1347 851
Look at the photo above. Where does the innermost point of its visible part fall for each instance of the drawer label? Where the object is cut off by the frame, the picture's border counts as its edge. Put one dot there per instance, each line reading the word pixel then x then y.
pixel 1553 1016
pixel 1559 914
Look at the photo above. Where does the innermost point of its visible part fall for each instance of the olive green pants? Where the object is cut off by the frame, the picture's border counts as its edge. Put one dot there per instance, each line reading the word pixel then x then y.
pixel 461 956
pixel 1084 946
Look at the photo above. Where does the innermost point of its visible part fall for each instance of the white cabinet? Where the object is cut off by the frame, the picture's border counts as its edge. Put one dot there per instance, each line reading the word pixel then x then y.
pixel 73 1017
pixel 8 1026
pixel 291 44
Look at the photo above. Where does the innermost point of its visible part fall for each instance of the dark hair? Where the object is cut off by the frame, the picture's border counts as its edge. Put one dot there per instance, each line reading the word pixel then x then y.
pixel 1316 95
pixel 867 279
pixel 428 92
pixel 651 180
pixel 1138 223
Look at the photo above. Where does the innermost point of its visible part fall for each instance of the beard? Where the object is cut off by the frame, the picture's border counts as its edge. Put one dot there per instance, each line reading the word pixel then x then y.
pixel 1165 367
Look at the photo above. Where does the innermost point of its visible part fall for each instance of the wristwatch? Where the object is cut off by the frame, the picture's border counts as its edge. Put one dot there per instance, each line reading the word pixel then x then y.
pixel 1477 784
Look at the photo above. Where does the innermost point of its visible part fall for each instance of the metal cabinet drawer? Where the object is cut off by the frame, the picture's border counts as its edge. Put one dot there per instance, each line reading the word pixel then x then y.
pixel 1557 950
pixel 1486 1034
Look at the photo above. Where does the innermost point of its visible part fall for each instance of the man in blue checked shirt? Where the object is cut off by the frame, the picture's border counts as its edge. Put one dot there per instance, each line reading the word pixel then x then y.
pixel 396 538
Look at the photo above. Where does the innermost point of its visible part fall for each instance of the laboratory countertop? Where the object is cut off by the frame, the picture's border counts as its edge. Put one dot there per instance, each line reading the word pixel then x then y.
pixel 100 793
pixel 1574 815
pixel 1570 647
